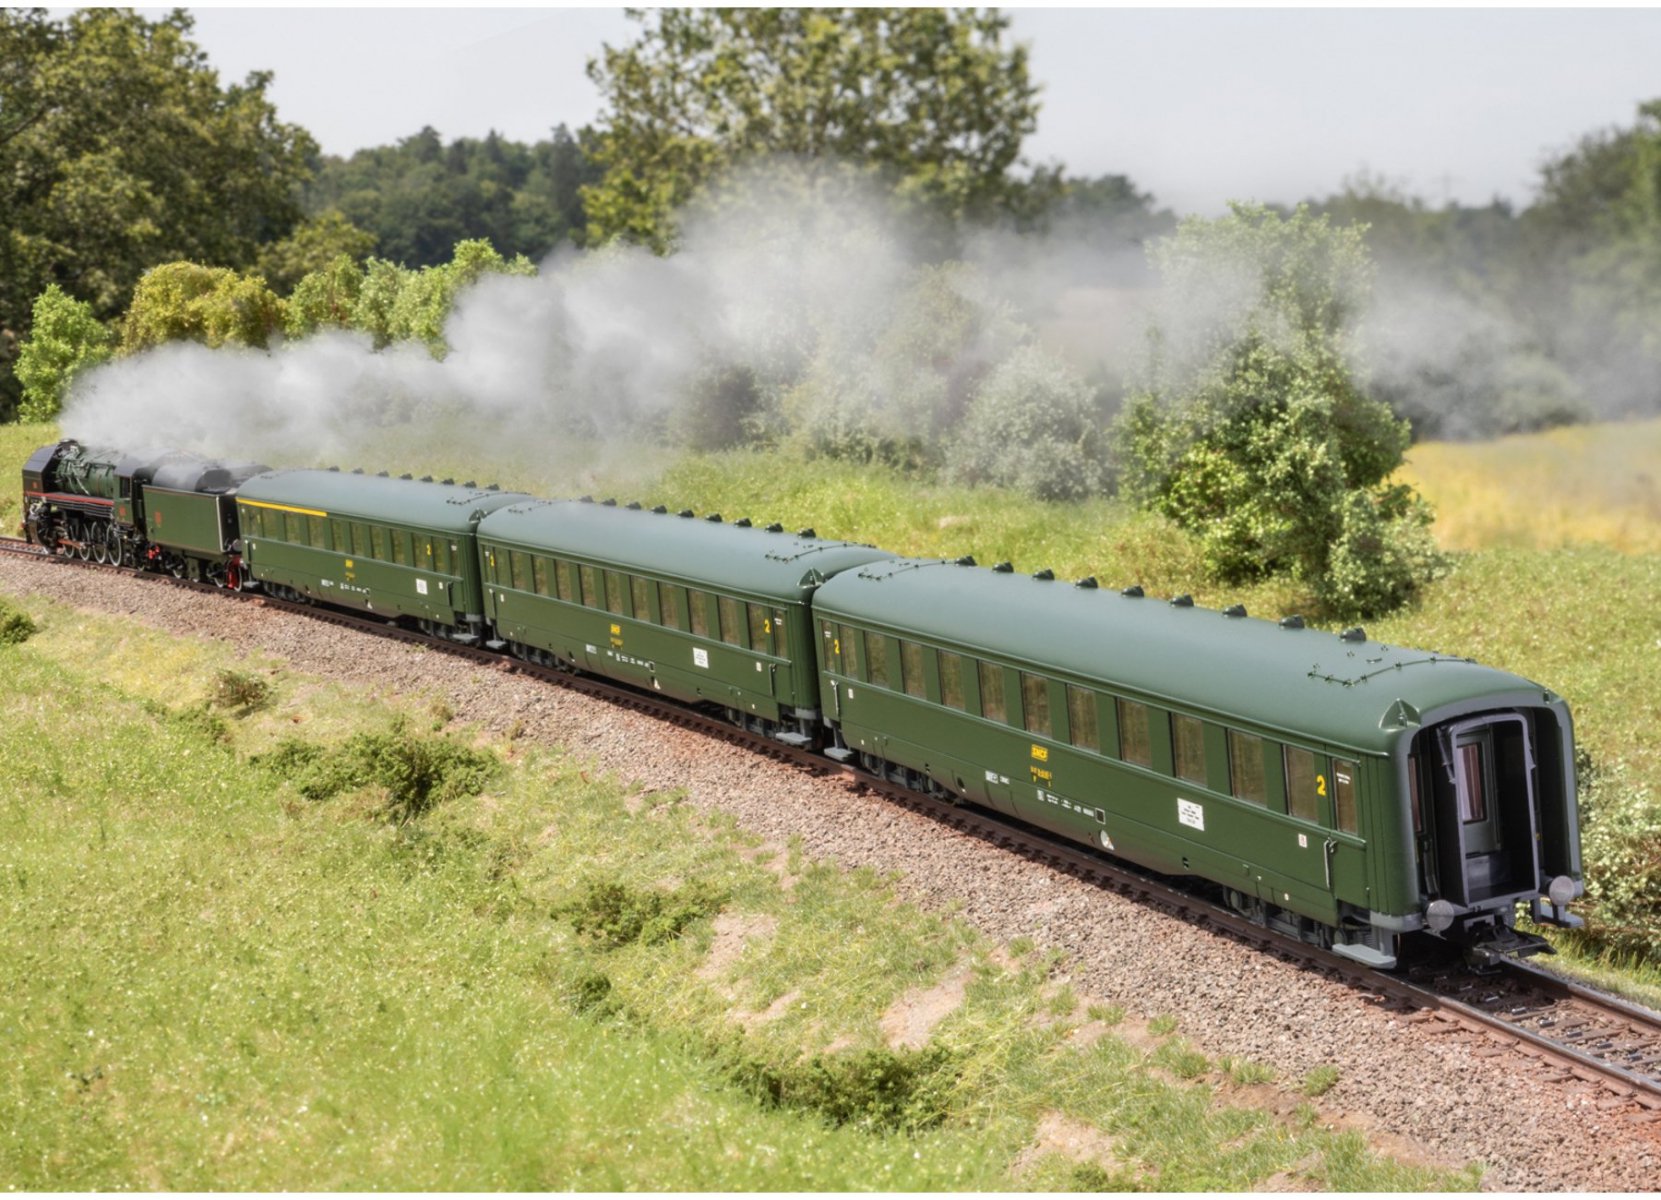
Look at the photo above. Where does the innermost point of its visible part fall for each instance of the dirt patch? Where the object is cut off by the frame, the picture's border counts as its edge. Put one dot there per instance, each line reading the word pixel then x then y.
pixel 911 1019
pixel 734 932
pixel 1073 1139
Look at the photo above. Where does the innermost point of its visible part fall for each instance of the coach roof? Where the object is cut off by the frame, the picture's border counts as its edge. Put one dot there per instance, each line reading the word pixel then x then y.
pixel 404 502
pixel 700 553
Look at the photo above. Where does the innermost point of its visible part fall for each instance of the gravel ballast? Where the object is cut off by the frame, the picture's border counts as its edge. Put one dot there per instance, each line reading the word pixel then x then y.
pixel 1441 1097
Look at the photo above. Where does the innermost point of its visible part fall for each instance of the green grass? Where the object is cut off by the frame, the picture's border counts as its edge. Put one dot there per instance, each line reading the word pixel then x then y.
pixel 212 983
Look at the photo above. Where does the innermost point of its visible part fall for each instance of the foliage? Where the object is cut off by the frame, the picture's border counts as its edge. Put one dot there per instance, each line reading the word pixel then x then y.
pixel 121 148
pixel 64 340
pixel 612 913
pixel 1620 844
pixel 420 197
pixel 325 298
pixel 1250 428
pixel 898 1091
pixel 395 304
pixel 931 100
pixel 1320 1080
pixel 417 773
pixel 182 301
pixel 314 246
pixel 1033 426
pixel 16 626
pixel 242 690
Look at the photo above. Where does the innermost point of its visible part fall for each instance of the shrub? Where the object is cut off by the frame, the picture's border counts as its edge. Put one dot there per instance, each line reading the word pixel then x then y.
pixel 1620 842
pixel 64 340
pixel 16 626
pixel 240 690
pixel 1035 426
pixel 899 1091
pixel 615 914
pixel 182 301
pixel 417 773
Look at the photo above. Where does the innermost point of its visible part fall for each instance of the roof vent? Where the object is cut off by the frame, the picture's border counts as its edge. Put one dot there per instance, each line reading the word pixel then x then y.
pixel 775 527
pixel 808 532
pixel 716 517
pixel 1088 582
pixel 492 487
pixel 336 470
pixel 357 470
pixel 382 475
pixel 1134 591
pixel 406 475
pixel 1004 568
pixel 968 560
pixel 1046 573
pixel 685 512
pixel 585 500
pixel 1354 634
pixel 426 479
pixel 742 522
pixel 1182 601
pixel 634 506
pixel 1292 622
pixel 448 482
pixel 1235 610
pixel 471 483
pixel 660 510
pixel 609 502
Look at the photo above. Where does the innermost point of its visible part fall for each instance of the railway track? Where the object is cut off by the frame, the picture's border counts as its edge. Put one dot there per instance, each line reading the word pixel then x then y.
pixel 1567 1030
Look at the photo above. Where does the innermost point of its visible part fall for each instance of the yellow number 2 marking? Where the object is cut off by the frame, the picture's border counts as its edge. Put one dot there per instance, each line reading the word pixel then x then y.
pixel 1320 785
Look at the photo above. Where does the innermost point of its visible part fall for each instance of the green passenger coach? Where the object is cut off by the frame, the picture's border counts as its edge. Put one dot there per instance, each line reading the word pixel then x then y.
pixel 701 610
pixel 402 548
pixel 1335 787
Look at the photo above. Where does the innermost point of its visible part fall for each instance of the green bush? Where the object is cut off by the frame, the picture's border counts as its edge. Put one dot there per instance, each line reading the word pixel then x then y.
pixel 899 1091
pixel 16 626
pixel 240 690
pixel 417 773
pixel 64 340
pixel 1620 842
pixel 615 914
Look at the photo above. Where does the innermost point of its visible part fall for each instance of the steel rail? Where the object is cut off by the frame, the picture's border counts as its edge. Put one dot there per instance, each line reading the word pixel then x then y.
pixel 1085 863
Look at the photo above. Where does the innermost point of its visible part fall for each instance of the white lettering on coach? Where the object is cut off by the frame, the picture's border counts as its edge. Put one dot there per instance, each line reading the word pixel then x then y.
pixel 1191 814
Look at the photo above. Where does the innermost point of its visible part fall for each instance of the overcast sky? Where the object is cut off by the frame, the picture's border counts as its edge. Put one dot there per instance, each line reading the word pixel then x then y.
pixel 1196 105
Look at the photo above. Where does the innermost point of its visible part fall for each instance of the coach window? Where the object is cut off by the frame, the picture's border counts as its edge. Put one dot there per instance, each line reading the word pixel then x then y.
pixel 876 659
pixel 378 537
pixel 564 583
pixel 732 620
pixel 642 593
pixel 320 533
pixel 951 679
pixel 591 587
pixel 541 568
pixel 669 600
pixel 341 535
pixel 1081 718
pixel 761 628
pixel 617 594
pixel 1035 703
pixel 441 555
pixel 911 669
pixel 400 547
pixel 848 638
pixel 992 705
pixel 1135 738
pixel 424 550
pixel 697 608
pixel 521 563
pixel 1303 785
pixel 360 540
pixel 1343 795
pixel 1246 772
pixel 831 649
pixel 1188 747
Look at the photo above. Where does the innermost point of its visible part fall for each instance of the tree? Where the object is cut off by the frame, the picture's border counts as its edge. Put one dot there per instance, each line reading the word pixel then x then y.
pixel 930 99
pixel 325 299
pixel 64 340
pixel 314 246
pixel 182 301
pixel 120 148
pixel 1251 428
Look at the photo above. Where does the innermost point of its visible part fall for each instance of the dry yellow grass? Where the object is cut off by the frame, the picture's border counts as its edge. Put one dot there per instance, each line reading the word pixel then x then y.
pixel 1590 484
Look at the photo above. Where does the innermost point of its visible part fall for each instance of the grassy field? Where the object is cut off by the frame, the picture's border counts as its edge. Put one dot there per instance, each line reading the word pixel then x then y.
pixel 214 982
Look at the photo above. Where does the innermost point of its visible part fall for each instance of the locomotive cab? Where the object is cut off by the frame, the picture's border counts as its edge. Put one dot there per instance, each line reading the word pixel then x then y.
pixel 1488 794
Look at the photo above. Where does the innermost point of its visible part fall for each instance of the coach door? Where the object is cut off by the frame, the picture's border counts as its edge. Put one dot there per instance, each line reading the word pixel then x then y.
pixel 1484 802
